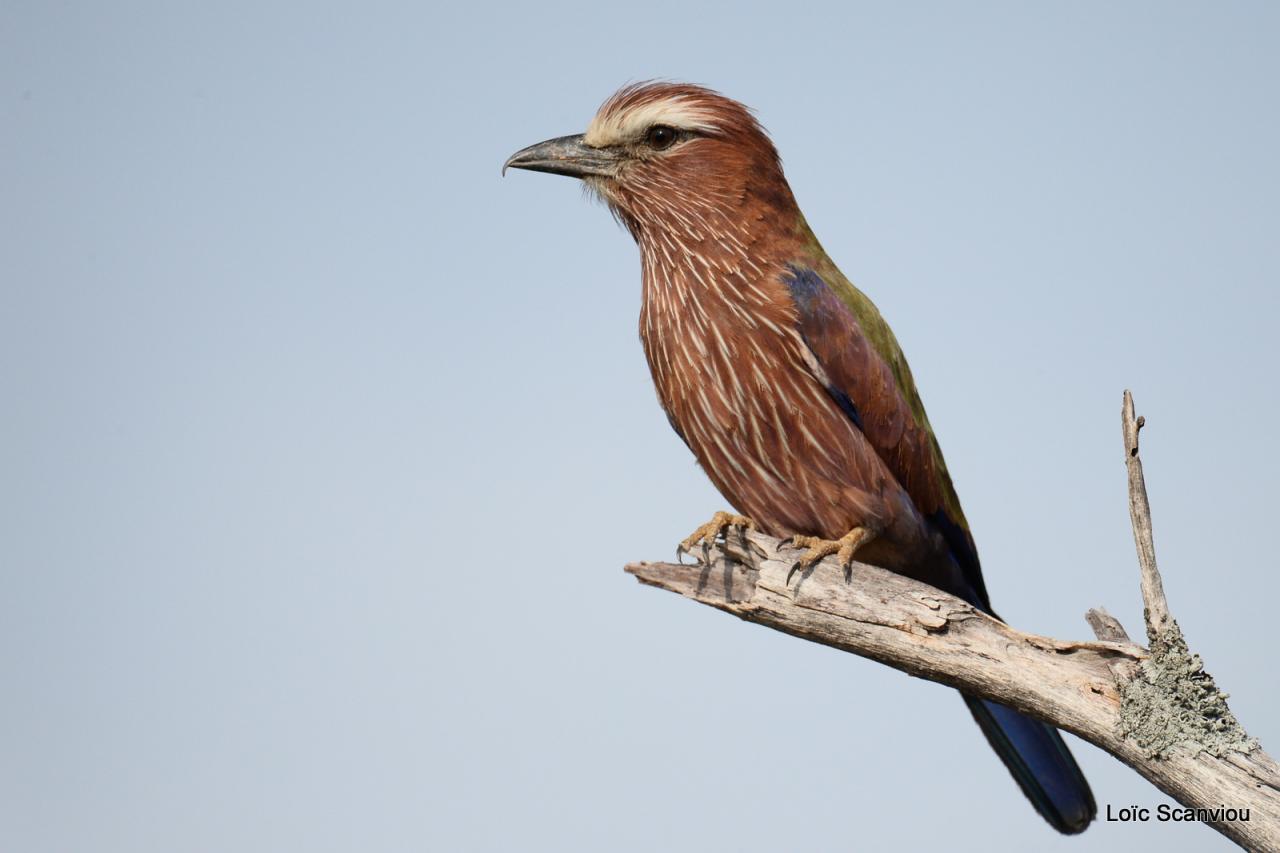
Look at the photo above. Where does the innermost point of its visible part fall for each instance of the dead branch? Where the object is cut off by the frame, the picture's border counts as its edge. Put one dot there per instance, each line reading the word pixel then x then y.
pixel 1157 711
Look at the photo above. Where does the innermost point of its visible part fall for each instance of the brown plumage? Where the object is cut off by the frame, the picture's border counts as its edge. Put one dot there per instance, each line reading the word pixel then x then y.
pixel 718 226
pixel 782 377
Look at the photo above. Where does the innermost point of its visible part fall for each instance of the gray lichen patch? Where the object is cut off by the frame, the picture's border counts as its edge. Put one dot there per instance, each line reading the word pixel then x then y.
pixel 1172 701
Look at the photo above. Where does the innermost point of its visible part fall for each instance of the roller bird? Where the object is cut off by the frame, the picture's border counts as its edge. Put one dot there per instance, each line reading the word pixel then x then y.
pixel 783 378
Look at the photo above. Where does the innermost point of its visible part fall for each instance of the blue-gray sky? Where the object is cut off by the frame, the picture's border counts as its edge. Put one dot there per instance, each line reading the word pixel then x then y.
pixel 323 446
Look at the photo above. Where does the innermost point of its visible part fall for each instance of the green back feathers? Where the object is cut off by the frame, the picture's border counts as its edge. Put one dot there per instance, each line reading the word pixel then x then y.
pixel 881 338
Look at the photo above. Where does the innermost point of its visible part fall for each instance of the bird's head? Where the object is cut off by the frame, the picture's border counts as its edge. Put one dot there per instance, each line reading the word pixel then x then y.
pixel 670 155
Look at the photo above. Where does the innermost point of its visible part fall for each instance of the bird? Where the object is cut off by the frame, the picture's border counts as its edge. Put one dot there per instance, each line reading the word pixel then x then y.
pixel 782 377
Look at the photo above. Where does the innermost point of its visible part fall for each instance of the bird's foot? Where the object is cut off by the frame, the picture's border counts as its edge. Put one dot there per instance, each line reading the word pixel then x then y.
pixel 716 528
pixel 818 548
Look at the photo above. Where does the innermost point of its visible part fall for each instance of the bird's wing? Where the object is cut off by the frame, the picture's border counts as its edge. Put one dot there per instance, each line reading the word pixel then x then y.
pixel 857 357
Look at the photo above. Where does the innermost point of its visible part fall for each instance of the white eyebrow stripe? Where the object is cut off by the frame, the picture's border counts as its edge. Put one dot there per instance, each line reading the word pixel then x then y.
pixel 615 126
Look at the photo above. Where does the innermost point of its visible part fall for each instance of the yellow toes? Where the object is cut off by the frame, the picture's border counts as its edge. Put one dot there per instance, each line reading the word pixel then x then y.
pixel 844 548
pixel 708 533
pixel 817 548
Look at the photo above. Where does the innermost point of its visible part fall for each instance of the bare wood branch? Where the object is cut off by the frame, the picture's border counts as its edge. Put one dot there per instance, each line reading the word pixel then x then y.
pixel 1156 608
pixel 1106 691
pixel 1107 627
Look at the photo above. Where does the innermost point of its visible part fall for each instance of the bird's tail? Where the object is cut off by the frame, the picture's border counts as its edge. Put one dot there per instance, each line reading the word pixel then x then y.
pixel 1040 763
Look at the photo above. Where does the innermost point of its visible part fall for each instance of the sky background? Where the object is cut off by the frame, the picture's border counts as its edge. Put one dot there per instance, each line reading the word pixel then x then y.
pixel 322 446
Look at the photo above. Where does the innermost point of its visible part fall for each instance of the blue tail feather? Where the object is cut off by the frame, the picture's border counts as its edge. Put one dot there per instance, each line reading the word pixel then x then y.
pixel 1040 763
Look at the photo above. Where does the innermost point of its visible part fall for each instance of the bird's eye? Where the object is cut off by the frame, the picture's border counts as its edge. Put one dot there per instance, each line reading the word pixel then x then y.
pixel 660 136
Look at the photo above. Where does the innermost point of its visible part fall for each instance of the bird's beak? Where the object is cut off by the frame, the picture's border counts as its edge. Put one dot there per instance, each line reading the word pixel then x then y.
pixel 567 155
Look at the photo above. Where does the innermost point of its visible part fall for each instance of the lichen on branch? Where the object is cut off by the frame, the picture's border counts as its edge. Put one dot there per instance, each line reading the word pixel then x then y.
pixel 1171 701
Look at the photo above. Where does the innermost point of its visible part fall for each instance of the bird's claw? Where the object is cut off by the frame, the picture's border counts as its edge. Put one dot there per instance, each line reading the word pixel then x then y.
pixel 708 533
pixel 818 548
